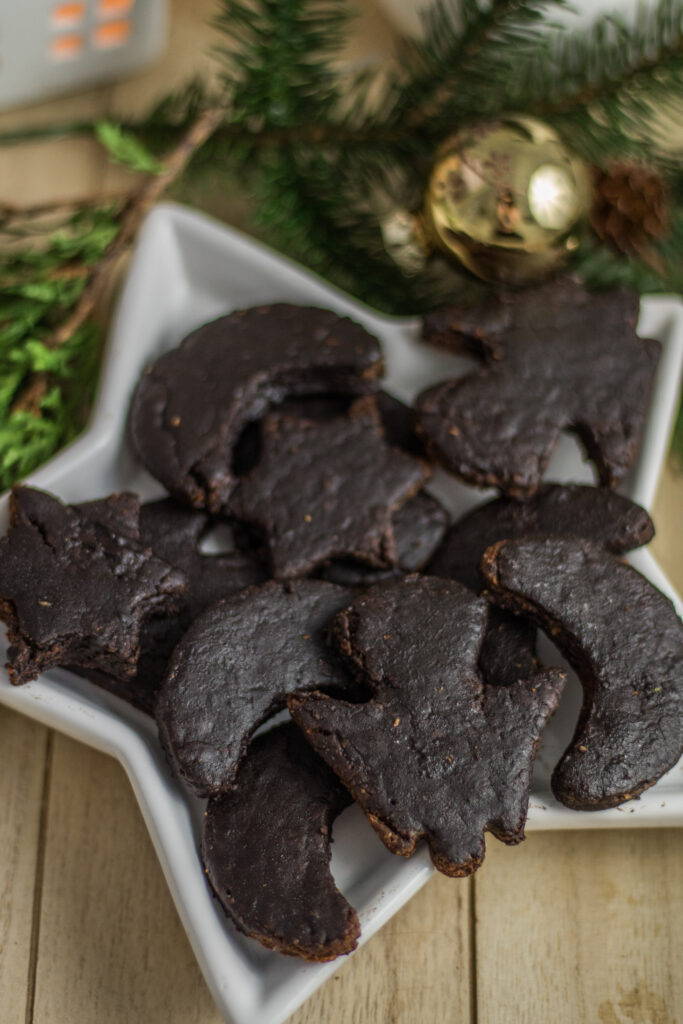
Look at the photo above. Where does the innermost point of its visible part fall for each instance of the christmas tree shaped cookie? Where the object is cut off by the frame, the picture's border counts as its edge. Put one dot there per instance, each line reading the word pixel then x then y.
pixel 435 753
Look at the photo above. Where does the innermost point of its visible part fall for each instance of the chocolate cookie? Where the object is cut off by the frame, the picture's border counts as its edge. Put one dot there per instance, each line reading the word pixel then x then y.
pixel 73 589
pixel 418 527
pixel 625 641
pixel 398 422
pixel 234 668
pixel 191 404
pixel 589 513
pixel 266 850
pixel 173 533
pixel 557 358
pixel 119 513
pixel 435 753
pixel 325 490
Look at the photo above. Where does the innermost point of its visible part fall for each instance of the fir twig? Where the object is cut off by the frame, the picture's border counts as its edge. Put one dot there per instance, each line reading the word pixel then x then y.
pixel 462 42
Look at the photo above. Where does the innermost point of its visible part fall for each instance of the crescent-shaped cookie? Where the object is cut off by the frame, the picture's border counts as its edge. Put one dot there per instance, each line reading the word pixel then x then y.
pixel 571 510
pixel 191 404
pixel 625 641
pixel 234 668
pixel 266 850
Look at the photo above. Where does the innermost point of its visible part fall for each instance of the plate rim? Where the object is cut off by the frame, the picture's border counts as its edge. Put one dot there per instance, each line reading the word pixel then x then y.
pixel 127 739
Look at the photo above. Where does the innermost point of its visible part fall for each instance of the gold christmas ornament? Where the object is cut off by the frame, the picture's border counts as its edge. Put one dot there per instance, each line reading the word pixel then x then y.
pixel 504 198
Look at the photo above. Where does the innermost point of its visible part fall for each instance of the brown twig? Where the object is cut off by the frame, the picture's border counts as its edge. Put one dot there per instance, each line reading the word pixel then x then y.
pixel 138 205
pixel 9 213
pixel 32 395
pixel 135 211
pixel 70 272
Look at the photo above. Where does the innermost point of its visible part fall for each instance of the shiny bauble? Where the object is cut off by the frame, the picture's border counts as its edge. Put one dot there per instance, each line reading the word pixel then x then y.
pixel 505 198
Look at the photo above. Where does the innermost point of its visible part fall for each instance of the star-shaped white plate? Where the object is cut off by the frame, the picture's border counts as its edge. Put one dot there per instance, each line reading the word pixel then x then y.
pixel 186 270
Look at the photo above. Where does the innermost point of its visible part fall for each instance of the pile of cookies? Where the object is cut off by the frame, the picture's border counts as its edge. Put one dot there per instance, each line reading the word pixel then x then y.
pixel 403 647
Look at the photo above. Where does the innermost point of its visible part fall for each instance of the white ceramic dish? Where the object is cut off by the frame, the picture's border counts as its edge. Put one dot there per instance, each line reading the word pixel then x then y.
pixel 186 270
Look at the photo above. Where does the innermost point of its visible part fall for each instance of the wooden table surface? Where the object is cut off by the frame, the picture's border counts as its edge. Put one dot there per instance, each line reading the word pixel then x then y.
pixel 568 927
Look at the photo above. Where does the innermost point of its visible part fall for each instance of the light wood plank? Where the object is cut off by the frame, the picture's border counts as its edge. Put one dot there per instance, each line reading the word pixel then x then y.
pixel 581 926
pixel 416 969
pixel 667 545
pixel 23 745
pixel 111 947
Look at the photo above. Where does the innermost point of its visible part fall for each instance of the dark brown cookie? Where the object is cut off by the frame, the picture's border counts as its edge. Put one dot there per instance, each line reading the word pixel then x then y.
pixel 325 490
pixel 266 850
pixel 419 527
pixel 434 753
pixel 589 513
pixel 73 590
pixel 120 513
pixel 234 668
pixel 557 358
pixel 625 641
pixel 191 404
pixel 173 533
pixel 398 422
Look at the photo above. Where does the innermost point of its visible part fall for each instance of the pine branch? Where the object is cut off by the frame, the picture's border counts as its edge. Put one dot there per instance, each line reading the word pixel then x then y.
pixel 277 55
pixel 600 86
pixel 461 42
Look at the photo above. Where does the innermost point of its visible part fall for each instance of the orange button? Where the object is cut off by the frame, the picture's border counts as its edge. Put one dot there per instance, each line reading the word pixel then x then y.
pixel 113 8
pixel 111 34
pixel 64 15
pixel 66 47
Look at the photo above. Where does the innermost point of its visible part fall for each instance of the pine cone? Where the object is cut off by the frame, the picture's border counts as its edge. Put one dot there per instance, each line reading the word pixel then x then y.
pixel 630 208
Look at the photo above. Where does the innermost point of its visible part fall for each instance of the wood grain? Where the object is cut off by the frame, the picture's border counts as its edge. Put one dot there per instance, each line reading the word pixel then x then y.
pixel 111 947
pixel 417 969
pixel 667 545
pixel 23 753
pixel 581 926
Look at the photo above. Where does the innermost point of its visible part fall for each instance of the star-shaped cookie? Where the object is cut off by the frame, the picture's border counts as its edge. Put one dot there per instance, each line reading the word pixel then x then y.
pixel 76 586
pixel 556 358
pixel 173 533
pixel 435 753
pixel 324 490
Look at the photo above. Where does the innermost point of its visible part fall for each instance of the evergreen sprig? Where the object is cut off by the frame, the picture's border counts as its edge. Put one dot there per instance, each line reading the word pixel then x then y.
pixel 601 87
pixel 44 391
